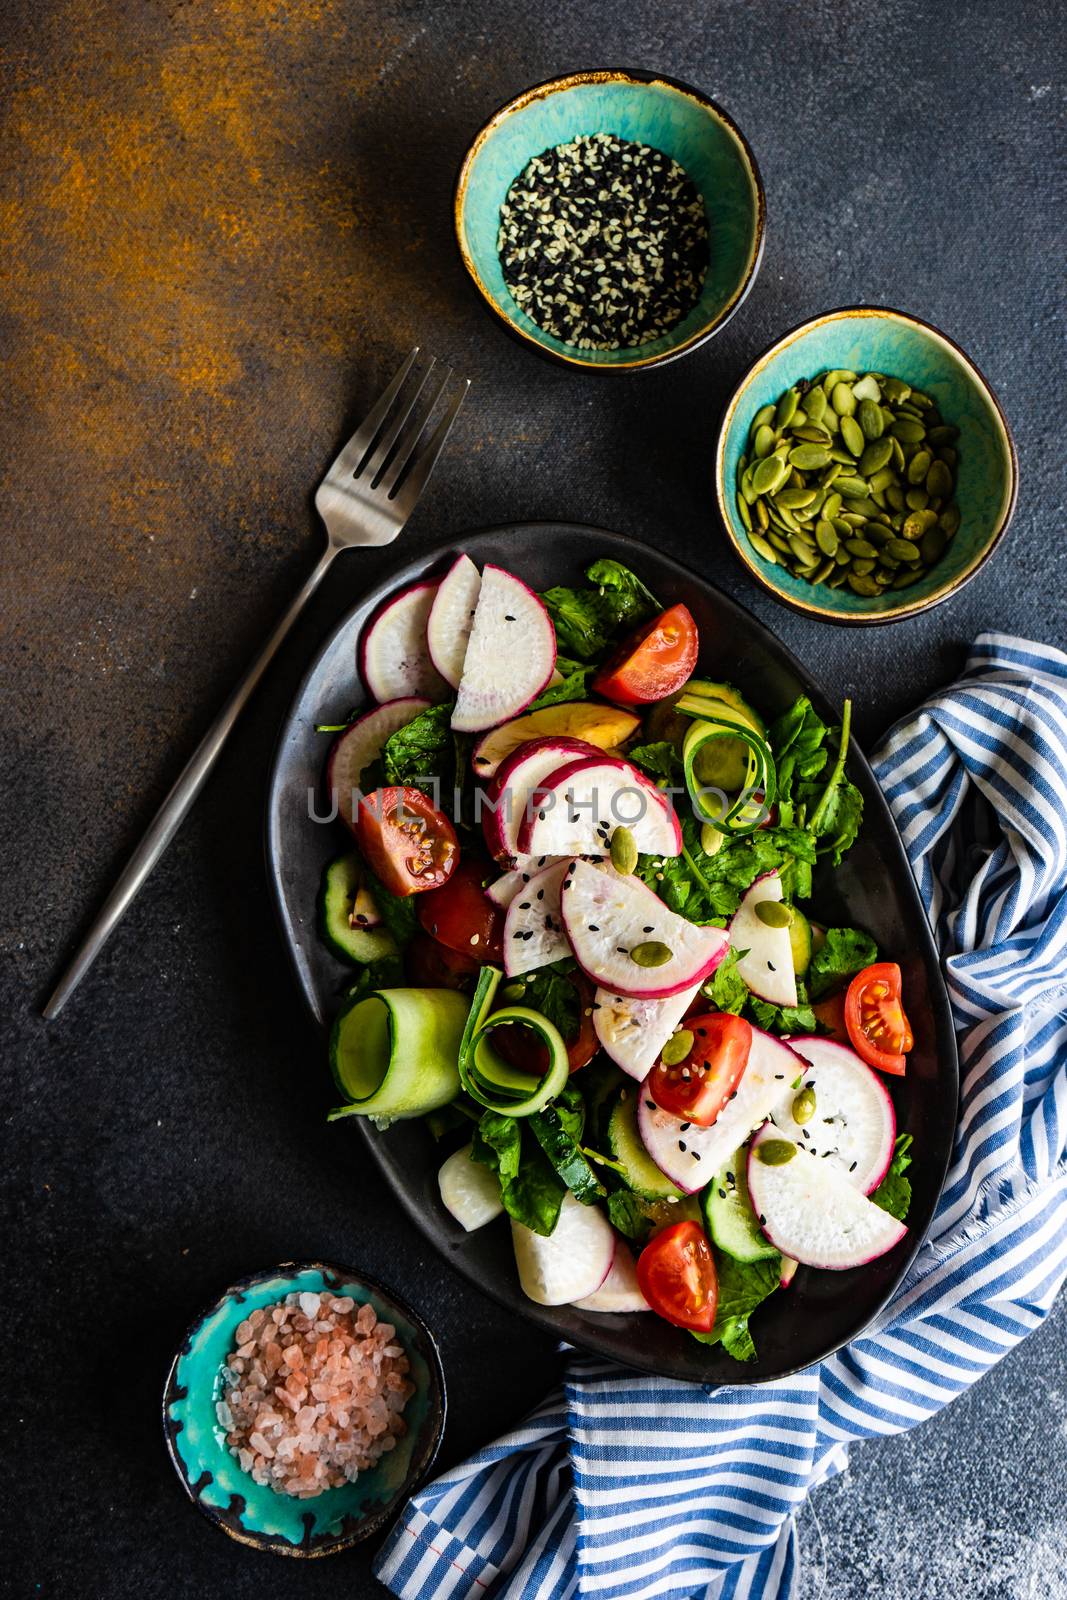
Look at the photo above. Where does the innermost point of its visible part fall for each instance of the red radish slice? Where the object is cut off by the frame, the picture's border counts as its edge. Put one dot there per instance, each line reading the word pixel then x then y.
pixel 620 1291
pixel 355 749
pixel 504 890
pixel 605 916
pixel 511 653
pixel 571 1262
pixel 602 726
pixel 393 656
pixel 767 965
pixel 633 1032
pixel 469 1191
pixel 452 617
pixel 809 1210
pixel 854 1125
pixel 584 801
pixel 508 797
pixel 691 1156
pixel 533 929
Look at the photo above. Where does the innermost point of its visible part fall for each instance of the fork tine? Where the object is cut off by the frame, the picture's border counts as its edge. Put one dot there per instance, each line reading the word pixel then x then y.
pixel 406 490
pixel 410 437
pixel 407 408
pixel 356 448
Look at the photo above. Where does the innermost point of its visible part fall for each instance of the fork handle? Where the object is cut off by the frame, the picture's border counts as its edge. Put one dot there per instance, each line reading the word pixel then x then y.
pixel 172 813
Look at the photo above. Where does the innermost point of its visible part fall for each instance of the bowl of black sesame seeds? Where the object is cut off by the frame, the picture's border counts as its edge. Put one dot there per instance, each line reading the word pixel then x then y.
pixel 610 219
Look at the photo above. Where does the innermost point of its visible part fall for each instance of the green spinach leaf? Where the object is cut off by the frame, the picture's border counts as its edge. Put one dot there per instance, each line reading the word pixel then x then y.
pixel 743 1286
pixel 586 620
pixel 421 750
pixel 844 952
pixel 530 1188
pixel 893 1194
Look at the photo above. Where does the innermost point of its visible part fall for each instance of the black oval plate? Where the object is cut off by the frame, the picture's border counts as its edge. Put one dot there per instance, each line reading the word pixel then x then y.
pixel 874 889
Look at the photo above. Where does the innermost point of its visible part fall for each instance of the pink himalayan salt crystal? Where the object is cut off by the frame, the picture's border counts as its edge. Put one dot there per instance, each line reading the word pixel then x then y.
pixel 338 1407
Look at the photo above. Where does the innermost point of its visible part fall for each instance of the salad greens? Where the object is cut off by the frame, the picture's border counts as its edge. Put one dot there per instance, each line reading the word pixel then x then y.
pixel 573 1143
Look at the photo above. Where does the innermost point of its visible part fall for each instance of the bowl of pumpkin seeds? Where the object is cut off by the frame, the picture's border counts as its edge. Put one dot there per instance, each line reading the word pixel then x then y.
pixel 865 470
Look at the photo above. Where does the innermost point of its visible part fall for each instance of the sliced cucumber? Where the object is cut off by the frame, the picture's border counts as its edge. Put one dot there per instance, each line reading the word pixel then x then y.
pixel 395 1053
pixel 741 814
pixel 800 941
pixel 728 1214
pixel 486 1076
pixel 342 900
pixel 640 1171
pixel 704 689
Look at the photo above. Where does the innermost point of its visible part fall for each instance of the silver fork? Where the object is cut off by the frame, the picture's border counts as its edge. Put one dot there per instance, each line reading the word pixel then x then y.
pixel 365 499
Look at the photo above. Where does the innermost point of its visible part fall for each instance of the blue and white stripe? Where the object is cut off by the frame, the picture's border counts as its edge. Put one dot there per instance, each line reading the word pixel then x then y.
pixel 624 1486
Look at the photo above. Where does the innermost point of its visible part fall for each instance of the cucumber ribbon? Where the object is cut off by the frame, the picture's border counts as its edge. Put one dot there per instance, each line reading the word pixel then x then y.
pixel 486 1076
pixel 716 722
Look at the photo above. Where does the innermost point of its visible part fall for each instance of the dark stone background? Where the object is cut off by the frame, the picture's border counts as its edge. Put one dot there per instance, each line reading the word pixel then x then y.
pixel 223 224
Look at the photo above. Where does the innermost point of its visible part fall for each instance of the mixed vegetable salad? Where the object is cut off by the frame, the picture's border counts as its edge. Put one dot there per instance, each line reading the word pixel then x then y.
pixel 578 894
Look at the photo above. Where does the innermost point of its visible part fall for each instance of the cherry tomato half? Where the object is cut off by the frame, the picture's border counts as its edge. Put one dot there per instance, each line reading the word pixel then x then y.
pixel 434 966
pixel 521 1048
pixel 676 1273
pixel 654 662
pixel 461 917
pixel 698 1087
pixel 408 844
pixel 876 1020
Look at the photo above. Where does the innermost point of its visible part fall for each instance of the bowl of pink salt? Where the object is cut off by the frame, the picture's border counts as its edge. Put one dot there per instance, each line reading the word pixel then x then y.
pixel 303 1407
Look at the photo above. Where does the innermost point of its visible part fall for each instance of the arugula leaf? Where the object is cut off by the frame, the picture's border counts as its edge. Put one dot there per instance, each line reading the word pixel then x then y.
pixel 530 1188
pixel 630 1215
pixel 893 1194
pixel 576 678
pixel 586 619
pixel 726 989
pixel 423 748
pixel 558 1130
pixel 798 740
pixel 397 911
pixel 844 952
pixel 783 1019
pixel 550 991
pixel 659 760
pixel 385 973
pixel 707 888
pixel 743 1285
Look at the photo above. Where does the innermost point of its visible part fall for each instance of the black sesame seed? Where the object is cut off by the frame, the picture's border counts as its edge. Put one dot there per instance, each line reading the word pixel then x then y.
pixel 681 1145
pixel 853 1167
pixel 722 1194
pixel 594 927
pixel 695 1154
pixel 685 1127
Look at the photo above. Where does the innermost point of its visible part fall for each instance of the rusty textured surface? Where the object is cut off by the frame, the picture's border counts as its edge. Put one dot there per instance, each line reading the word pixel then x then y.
pixel 223 221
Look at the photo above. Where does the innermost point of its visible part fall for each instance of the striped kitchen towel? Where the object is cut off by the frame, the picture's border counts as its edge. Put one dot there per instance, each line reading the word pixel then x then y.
pixel 624 1486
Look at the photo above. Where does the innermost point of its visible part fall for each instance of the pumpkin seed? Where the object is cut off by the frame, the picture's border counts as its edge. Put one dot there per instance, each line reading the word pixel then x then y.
pixel 916 499
pixel 776 1152
pixel 943 434
pixel 895 495
pixel 851 488
pixel 853 435
pixel 809 457
pixel 769 475
pixel 624 852
pixel 895 390
pixel 810 434
pixel 916 525
pixel 932 545
pixel 864 584
pixel 743 512
pixel 870 418
pixel 763 417
pixel 764 441
pixel 902 550
pixel 786 408
pixel 905 579
pixel 780 544
pixel 651 953
pixel 795 499
pixel 938 481
pixel 823 570
pixel 826 537
pixel 761 514
pixel 860 547
pixel 773 914
pixel 867 388
pixel 919 466
pixel 763 548
pixel 950 519
pixel 802 551
pixel 804 1105
pixel 815 404
pixel 831 505
pixel 677 1048
pixel 876 455
pixel 843 400
pixel 908 431
pixel 883 479
pixel 862 565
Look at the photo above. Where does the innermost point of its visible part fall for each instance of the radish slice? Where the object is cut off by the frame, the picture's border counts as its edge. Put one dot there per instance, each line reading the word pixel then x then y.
pixel 633 1032
pixel 602 726
pixel 571 1262
pixel 452 617
pixel 533 929
pixel 354 750
pixel 511 654
pixel 471 1193
pixel 581 804
pixel 854 1125
pixel 504 890
pixel 606 915
pixel 620 1290
pixel 393 656
pixel 508 797
pixel 809 1210
pixel 767 965
pixel 691 1156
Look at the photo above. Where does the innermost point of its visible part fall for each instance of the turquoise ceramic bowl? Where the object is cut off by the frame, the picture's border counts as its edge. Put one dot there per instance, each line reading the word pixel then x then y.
pixel 257 1515
pixel 648 109
pixel 874 339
